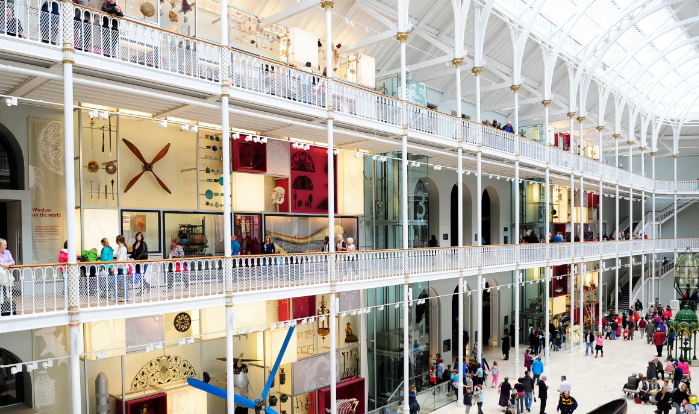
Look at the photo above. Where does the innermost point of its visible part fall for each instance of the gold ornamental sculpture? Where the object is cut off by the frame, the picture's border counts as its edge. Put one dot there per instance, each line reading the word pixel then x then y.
pixel 323 328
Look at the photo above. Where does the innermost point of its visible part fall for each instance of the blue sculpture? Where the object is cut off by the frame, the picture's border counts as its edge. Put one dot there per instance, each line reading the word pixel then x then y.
pixel 259 404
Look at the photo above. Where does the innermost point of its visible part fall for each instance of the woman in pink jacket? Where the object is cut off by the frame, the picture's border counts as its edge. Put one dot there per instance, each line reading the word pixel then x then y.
pixel 599 344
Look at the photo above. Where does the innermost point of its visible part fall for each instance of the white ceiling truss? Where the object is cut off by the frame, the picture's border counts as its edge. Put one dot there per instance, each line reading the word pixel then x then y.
pixel 641 54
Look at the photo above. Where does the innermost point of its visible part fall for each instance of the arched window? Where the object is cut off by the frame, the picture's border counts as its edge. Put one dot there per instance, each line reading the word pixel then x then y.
pixel 11 385
pixel 8 166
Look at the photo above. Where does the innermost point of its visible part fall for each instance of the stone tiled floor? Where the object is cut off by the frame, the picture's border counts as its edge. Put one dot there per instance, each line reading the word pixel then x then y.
pixel 594 381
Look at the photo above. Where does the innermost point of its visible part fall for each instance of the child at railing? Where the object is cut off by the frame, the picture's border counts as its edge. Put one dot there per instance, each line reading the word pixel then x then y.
pixel 106 274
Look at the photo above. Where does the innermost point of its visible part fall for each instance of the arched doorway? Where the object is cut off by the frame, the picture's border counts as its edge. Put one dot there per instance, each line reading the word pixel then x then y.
pixel 490 205
pixel 433 210
pixel 11 161
pixel 468 337
pixel 454 232
pixel 433 314
pixel 420 214
pixel 485 219
pixel 12 387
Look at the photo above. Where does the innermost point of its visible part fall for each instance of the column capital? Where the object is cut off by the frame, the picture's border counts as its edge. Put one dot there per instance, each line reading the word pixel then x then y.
pixel 327 4
pixel 616 136
pixel 599 128
pixel 674 156
pixel 652 153
pixel 571 115
pixel 515 88
pixel 225 88
pixel 546 102
pixel 642 148
pixel 581 119
pixel 476 70
pixel 402 36
pixel 630 143
pixel 457 62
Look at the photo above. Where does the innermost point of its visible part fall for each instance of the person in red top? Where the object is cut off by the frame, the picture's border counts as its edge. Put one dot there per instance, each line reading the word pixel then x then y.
pixel 659 341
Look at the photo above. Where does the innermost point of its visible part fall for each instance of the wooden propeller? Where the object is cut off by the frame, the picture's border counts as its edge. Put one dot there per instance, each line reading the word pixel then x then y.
pixel 147 166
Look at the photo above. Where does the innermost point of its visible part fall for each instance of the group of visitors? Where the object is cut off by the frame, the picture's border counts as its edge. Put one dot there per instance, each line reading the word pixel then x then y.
pixel 519 396
pixel 495 124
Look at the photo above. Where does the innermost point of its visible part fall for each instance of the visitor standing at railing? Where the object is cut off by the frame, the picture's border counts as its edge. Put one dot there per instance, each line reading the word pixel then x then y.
pixel 139 251
pixel 340 246
pixel 6 280
pixel 235 246
pixel 106 274
pixel 49 22
pixel 13 27
pixel 122 255
pixel 268 248
pixel 109 40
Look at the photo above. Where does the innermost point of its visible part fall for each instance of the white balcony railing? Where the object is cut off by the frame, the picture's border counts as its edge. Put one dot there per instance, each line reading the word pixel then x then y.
pixel 41 289
pixel 136 42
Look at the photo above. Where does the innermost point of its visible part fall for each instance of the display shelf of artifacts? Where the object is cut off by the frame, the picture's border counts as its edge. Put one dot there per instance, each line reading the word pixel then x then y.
pixel 210 172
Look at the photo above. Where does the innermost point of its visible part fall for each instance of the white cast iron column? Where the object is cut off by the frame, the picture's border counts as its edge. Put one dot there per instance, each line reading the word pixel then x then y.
pixel 652 220
pixel 572 248
pixel 581 299
pixel 460 233
pixel 69 167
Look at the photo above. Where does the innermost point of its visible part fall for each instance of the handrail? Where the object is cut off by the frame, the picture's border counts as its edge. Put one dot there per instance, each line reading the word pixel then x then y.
pixel 135 41
pixel 45 287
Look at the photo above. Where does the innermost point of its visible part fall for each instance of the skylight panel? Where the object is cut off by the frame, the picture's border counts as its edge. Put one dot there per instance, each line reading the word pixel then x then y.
pixel 645 54
pixel 660 18
pixel 672 37
pixel 585 29
pixel 659 68
pixel 614 54
pixel 629 38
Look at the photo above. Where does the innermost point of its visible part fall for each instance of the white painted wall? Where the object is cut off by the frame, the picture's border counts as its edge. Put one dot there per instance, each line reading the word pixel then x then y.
pixel 445 180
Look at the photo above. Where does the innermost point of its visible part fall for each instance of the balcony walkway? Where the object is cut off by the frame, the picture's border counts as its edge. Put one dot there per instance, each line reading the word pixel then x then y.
pixel 39 292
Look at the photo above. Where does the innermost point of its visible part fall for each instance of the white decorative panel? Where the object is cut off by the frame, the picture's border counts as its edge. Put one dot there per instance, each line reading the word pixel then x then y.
pixel 248 192
pixel 304 46
pixel 350 184
pixel 278 157
pixel 367 71
pixel 101 223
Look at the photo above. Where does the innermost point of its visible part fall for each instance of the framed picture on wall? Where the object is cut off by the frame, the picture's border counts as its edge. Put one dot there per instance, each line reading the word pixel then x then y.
pixel 146 222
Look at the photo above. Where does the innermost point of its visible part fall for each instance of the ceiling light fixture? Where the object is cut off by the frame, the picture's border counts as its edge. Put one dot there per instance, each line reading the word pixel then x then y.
pixel 11 101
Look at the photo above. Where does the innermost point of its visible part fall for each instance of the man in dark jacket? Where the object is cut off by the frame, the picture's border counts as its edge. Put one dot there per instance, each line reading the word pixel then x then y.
pixel 528 383
pixel 659 368
pixel 615 327
pixel 651 371
pixel 664 401
pixel 543 394
pixel 505 347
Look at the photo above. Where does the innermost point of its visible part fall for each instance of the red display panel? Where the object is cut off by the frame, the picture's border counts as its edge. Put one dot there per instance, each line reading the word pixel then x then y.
pixel 155 404
pixel 248 228
pixel 308 191
pixel 345 390
pixel 248 156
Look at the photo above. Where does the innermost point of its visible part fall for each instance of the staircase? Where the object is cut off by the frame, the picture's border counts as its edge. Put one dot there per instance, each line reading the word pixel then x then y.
pixel 663 215
pixel 624 302
pixel 624 292
pixel 660 217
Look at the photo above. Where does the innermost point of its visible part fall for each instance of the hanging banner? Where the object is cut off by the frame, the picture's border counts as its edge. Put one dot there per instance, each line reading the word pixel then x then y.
pixel 47 184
